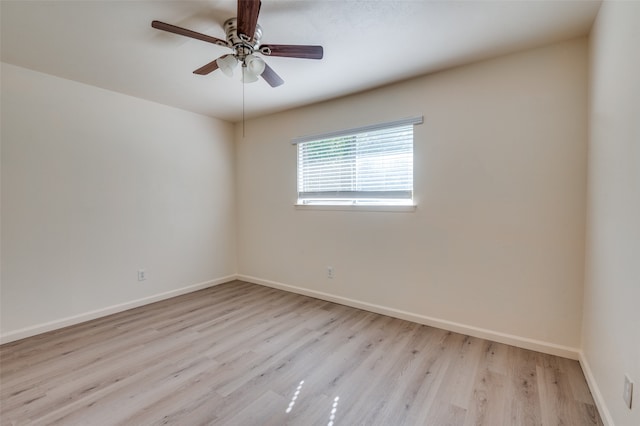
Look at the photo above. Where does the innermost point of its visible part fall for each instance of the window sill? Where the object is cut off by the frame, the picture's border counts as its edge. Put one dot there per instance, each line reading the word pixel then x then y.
pixel 357 208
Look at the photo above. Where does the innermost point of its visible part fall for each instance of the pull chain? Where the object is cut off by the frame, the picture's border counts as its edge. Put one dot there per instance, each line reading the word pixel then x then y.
pixel 243 84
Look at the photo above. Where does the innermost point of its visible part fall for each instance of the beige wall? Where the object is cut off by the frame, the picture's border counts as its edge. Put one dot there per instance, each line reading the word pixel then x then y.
pixel 497 240
pixel 611 329
pixel 96 185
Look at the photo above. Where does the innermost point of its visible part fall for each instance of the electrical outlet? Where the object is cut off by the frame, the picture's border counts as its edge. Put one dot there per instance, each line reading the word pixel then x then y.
pixel 627 394
pixel 330 272
pixel 142 275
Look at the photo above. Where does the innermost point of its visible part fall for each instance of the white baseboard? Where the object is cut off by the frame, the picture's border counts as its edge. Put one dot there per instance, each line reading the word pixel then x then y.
pixel 87 316
pixel 595 391
pixel 509 339
pixel 496 336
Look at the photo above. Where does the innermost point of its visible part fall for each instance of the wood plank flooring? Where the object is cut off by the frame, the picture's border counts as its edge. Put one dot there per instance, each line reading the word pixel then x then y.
pixel 243 354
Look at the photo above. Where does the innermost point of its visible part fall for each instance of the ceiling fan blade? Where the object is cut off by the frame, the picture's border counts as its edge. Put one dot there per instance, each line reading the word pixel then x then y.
pixel 206 69
pixel 187 33
pixel 271 77
pixel 292 51
pixel 248 11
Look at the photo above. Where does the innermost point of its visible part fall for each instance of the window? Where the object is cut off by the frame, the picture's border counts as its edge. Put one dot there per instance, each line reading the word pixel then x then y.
pixel 371 165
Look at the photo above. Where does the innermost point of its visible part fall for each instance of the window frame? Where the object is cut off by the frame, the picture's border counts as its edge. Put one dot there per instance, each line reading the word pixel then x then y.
pixel 343 203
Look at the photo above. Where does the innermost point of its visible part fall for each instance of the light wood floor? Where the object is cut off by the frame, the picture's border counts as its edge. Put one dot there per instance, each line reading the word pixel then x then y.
pixel 243 354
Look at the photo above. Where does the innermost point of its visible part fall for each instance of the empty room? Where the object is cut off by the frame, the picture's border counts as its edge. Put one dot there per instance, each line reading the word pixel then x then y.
pixel 344 212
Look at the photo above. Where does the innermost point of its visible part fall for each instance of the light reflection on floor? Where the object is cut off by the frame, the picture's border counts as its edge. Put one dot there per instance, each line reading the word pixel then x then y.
pixel 333 411
pixel 334 407
pixel 295 396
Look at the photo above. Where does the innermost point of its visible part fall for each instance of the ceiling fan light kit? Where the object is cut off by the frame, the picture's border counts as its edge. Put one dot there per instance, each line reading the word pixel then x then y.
pixel 243 36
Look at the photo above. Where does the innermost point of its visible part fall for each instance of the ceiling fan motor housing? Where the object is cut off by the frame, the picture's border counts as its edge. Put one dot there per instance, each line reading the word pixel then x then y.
pixel 238 42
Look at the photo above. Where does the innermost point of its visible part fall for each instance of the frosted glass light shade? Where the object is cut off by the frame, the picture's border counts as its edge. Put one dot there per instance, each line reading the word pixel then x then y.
pixel 255 65
pixel 226 64
pixel 248 76
pixel 252 68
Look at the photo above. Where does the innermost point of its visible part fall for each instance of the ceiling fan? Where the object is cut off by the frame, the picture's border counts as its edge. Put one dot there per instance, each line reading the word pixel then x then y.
pixel 243 36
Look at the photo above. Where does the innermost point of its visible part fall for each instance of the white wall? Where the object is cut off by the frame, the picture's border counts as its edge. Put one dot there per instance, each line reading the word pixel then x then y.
pixel 95 185
pixel 611 325
pixel 497 240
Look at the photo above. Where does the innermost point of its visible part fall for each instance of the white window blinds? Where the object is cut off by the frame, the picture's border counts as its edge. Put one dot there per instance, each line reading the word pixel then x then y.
pixel 372 164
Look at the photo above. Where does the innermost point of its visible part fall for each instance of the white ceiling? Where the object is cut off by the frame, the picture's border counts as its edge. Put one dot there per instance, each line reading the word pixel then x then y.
pixel 367 43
